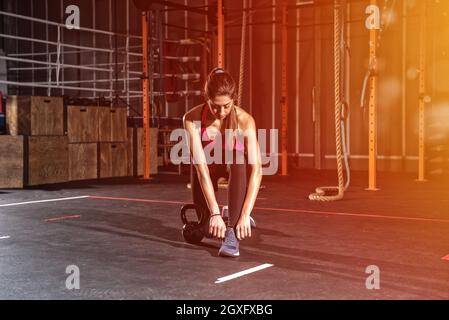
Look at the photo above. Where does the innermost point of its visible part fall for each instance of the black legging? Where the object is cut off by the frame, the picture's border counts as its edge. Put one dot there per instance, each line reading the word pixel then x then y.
pixel 236 190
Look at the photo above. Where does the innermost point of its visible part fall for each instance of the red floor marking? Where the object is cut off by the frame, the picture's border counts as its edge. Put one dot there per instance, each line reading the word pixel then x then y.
pixel 62 218
pixel 288 210
pixel 446 257
pixel 352 214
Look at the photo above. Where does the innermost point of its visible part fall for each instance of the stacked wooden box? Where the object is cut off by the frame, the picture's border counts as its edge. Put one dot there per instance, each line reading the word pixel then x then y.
pixel 135 147
pixel 112 142
pixel 82 131
pixel 11 161
pixel 97 142
pixel 36 150
pixel 50 143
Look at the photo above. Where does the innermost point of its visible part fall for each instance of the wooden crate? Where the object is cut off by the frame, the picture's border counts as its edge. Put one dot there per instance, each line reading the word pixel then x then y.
pixel 129 152
pixel 104 124
pixel 82 161
pixel 46 160
pixel 82 124
pixel 11 161
pixel 140 151
pixel 111 124
pixel 118 125
pixel 134 151
pixel 112 159
pixel 35 116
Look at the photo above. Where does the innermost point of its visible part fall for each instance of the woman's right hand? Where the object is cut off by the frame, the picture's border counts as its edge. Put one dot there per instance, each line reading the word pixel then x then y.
pixel 217 227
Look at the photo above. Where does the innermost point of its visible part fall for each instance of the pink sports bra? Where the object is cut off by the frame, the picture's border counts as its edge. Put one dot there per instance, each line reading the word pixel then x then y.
pixel 205 140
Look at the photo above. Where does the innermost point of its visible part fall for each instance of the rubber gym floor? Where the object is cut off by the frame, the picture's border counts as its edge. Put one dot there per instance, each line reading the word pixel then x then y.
pixel 124 236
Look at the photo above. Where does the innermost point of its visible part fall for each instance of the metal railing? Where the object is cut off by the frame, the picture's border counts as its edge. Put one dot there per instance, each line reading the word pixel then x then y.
pixel 100 72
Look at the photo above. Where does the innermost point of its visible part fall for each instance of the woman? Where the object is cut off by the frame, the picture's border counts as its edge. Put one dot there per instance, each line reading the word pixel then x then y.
pixel 206 125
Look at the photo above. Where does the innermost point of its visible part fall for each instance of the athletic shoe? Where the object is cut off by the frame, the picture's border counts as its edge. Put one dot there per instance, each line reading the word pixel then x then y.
pixel 230 245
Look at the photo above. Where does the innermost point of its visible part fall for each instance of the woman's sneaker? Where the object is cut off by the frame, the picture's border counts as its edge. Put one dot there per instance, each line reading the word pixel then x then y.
pixel 230 245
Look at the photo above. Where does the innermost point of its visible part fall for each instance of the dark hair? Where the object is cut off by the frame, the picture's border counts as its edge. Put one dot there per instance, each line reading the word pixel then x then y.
pixel 219 83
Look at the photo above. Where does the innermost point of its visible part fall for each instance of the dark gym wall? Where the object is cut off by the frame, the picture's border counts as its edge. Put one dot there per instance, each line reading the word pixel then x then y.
pixel 311 131
pixel 398 93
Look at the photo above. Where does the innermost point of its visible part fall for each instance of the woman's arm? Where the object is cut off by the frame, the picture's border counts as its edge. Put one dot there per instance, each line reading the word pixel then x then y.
pixel 243 228
pixel 217 228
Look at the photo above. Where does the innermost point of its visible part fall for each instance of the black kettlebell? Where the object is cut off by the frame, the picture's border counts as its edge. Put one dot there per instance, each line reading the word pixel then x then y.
pixel 192 231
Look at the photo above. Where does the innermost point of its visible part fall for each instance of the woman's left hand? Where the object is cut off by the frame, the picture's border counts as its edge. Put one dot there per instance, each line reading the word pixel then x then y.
pixel 243 228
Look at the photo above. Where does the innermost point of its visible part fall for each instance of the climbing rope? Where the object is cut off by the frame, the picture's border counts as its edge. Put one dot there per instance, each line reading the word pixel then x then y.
pixel 242 55
pixel 323 193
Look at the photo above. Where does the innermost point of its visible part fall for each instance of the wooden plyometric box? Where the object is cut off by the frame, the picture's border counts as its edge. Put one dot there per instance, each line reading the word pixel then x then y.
pixel 129 152
pixel 46 160
pixel 82 124
pixel 35 116
pixel 83 161
pixel 11 161
pixel 111 124
pixel 140 151
pixel 104 124
pixel 118 125
pixel 112 159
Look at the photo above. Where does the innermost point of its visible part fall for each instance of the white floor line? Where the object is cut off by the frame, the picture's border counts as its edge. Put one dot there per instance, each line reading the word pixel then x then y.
pixel 61 218
pixel 243 273
pixel 40 201
pixel 4 237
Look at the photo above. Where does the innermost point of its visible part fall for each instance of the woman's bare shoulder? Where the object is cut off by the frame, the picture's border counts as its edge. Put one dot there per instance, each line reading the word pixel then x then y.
pixel 245 119
pixel 193 114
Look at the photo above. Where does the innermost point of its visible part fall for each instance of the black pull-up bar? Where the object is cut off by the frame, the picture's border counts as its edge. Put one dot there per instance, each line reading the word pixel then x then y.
pixel 145 5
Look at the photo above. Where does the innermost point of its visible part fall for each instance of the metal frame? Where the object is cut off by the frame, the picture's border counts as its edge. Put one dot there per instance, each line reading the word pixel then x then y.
pixel 127 61
pixel 220 31
pixel 404 83
pixel 186 35
pixel 273 70
pixel 251 38
pixel 146 95
pixel 284 91
pixel 297 76
pixel 94 42
pixel 166 36
pixel 422 93
pixel 372 119
pixel 46 46
pixel 316 91
pixel 347 77
pixel 55 70
pixel 299 4
pixel 32 36
pixel 178 6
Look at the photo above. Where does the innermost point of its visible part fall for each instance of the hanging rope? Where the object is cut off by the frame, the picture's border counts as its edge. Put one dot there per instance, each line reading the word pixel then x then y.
pixel 344 120
pixel 322 193
pixel 242 55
